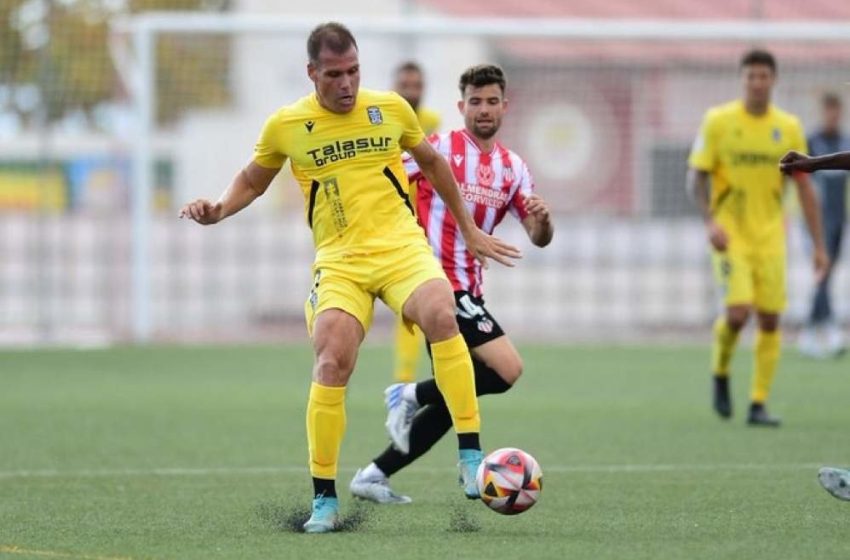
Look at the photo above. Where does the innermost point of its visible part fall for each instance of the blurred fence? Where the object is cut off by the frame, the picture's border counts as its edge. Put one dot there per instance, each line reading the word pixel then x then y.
pixel 604 113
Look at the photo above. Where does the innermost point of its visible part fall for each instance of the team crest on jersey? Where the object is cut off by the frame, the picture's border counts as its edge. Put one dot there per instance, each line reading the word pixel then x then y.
pixel 375 116
pixel 777 135
pixel 484 174
pixel 485 326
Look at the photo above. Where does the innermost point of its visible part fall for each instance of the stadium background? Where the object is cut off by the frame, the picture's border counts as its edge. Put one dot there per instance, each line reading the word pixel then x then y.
pixel 605 126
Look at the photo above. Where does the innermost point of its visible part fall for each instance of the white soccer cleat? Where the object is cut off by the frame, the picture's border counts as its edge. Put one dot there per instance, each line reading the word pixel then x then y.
pixel 836 482
pixel 400 412
pixel 375 489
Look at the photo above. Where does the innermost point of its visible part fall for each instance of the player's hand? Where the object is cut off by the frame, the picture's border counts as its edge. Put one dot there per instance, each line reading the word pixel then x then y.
pixel 483 246
pixel 794 162
pixel 537 207
pixel 717 236
pixel 822 264
pixel 202 211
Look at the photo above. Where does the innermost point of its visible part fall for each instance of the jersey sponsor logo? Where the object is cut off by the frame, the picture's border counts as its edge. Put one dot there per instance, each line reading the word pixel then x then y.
pixel 484 174
pixel 375 116
pixel 753 159
pixel 480 194
pixel 309 126
pixel 347 149
pixel 458 159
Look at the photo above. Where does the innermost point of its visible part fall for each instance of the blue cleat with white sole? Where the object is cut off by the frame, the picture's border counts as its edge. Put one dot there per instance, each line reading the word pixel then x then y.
pixel 325 518
pixel 470 459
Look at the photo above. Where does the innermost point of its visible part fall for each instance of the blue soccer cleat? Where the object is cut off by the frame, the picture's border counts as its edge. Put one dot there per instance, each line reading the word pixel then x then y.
pixel 470 459
pixel 325 518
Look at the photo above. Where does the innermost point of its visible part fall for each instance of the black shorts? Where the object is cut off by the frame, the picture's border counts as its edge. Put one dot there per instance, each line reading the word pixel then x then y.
pixel 474 321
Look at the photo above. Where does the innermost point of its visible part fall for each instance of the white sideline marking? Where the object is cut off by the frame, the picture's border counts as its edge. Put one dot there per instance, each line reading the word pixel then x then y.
pixel 288 469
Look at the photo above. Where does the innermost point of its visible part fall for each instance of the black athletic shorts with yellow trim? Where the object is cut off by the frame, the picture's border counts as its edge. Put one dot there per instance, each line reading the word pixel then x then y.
pixel 476 324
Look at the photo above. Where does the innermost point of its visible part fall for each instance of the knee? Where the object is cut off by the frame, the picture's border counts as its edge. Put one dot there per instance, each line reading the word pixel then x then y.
pixel 442 324
pixel 737 318
pixel 332 369
pixel 511 372
pixel 769 323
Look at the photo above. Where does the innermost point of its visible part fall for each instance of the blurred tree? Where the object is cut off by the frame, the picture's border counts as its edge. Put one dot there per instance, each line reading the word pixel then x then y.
pixel 54 58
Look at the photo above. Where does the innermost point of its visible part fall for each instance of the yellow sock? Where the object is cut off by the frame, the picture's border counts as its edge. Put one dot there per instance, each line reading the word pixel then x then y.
pixel 456 381
pixel 768 345
pixel 408 345
pixel 325 428
pixel 725 341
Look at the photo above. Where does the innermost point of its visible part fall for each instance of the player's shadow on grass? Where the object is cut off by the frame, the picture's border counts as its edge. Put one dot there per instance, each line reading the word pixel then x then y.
pixel 291 518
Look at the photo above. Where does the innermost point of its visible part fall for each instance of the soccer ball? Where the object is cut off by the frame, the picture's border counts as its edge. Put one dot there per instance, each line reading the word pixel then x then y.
pixel 509 481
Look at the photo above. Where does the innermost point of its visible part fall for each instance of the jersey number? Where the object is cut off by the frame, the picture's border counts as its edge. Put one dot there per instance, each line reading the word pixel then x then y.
pixel 470 308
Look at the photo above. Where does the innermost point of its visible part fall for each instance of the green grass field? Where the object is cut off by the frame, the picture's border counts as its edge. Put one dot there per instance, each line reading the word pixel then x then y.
pixel 200 453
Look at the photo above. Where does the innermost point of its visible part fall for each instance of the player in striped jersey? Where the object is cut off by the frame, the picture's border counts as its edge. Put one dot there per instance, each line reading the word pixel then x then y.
pixel 494 181
pixel 834 480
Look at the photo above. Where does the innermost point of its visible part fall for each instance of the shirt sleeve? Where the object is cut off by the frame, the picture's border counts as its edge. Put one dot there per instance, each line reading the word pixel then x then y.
pixel 411 131
pixel 704 150
pixel 267 151
pixel 525 189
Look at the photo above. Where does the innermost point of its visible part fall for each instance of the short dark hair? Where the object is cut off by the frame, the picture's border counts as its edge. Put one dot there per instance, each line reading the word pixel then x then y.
pixel 408 66
pixel 758 57
pixel 331 35
pixel 482 75
pixel 830 99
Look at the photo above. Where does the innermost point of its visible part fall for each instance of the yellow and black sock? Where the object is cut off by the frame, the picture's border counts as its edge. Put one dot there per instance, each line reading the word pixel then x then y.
pixel 454 374
pixel 325 428
pixel 767 349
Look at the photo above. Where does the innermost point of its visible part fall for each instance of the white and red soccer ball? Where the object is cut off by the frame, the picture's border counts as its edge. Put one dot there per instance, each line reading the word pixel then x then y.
pixel 509 481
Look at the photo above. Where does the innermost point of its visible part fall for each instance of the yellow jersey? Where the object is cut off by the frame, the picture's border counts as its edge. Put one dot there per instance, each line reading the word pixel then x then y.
pixel 429 120
pixel 741 151
pixel 349 169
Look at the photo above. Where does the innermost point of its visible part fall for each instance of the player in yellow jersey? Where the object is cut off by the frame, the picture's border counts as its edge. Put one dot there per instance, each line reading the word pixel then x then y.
pixel 345 147
pixel 410 84
pixel 737 147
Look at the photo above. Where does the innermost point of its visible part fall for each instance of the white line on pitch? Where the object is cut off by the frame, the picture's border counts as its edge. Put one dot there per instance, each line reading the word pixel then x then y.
pixel 287 469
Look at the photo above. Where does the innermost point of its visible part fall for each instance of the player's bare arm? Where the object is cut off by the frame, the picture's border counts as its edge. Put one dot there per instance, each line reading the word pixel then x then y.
pixel 699 189
pixel 249 184
pixel 439 174
pixel 811 211
pixel 538 223
pixel 795 161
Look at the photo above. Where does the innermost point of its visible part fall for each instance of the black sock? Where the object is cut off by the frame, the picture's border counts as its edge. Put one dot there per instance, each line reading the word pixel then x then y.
pixel 324 487
pixel 468 441
pixel 487 382
pixel 429 425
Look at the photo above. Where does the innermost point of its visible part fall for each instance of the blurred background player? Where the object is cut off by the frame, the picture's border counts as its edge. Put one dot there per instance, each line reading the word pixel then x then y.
pixel 834 480
pixel 821 337
pixel 410 84
pixel 494 181
pixel 368 245
pixel 737 146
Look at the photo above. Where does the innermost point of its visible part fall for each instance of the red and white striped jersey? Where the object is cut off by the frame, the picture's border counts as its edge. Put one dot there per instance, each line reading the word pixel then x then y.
pixel 491 184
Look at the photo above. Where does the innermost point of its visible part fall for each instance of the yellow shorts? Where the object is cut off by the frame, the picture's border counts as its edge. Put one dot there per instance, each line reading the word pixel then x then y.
pixel 751 279
pixel 351 283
